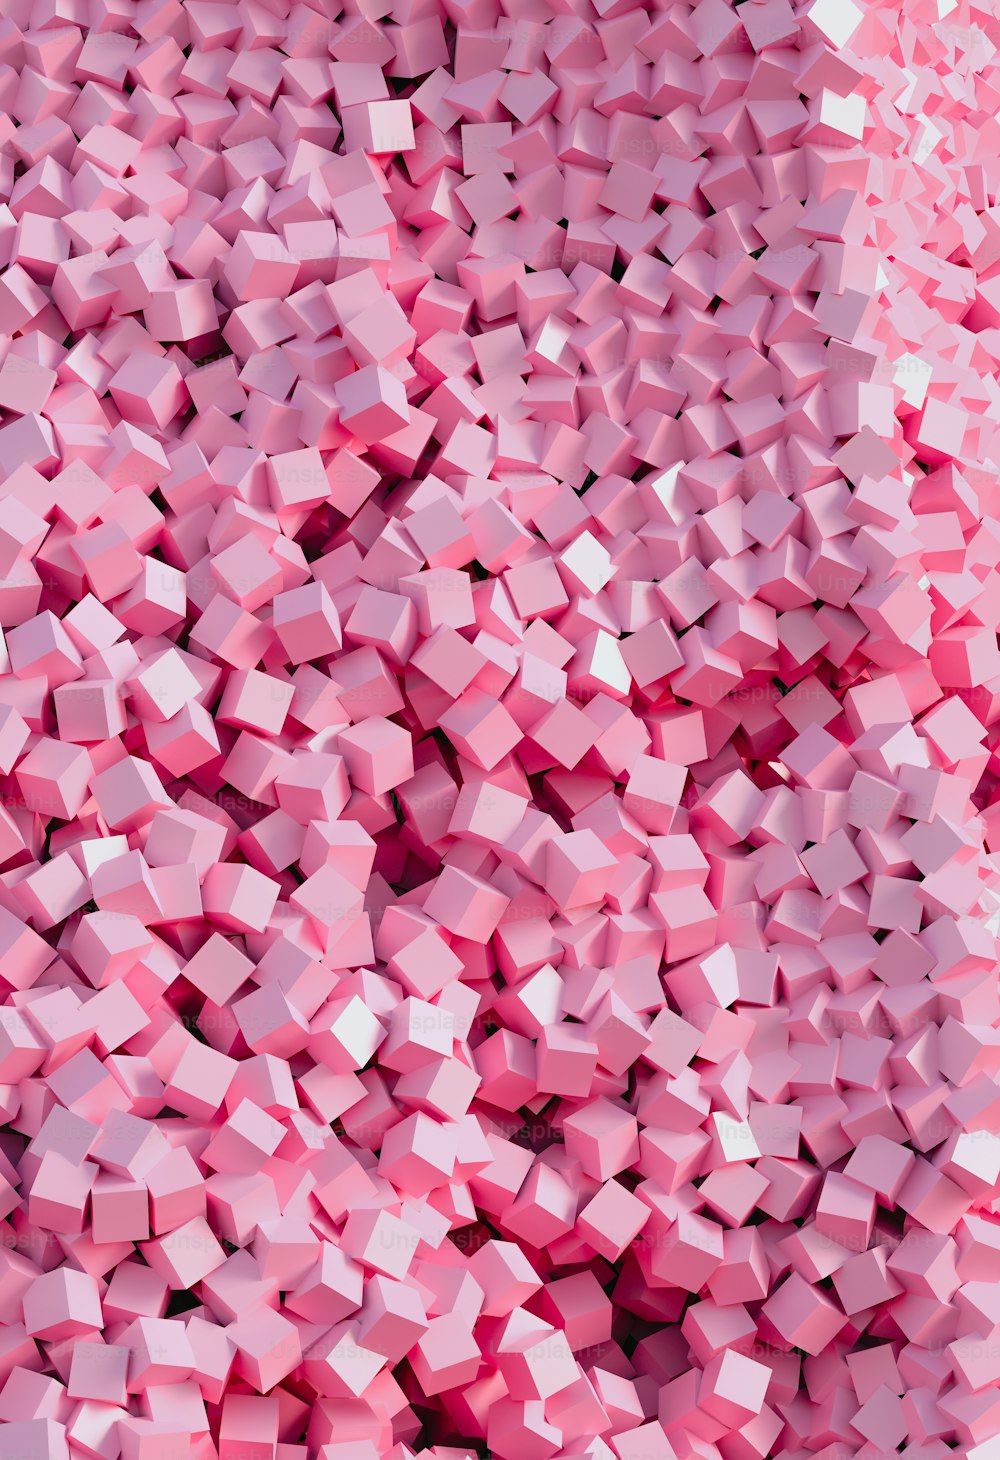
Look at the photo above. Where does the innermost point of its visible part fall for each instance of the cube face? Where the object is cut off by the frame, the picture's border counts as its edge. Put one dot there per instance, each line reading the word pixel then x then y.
pixel 119 1212
pixel 98 1372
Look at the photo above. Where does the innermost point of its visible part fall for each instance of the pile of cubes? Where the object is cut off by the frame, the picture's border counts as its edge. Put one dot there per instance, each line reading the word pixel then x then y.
pixel 499 817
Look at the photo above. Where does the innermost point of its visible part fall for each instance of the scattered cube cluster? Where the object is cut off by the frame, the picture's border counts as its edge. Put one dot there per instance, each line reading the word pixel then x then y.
pixel 500 730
